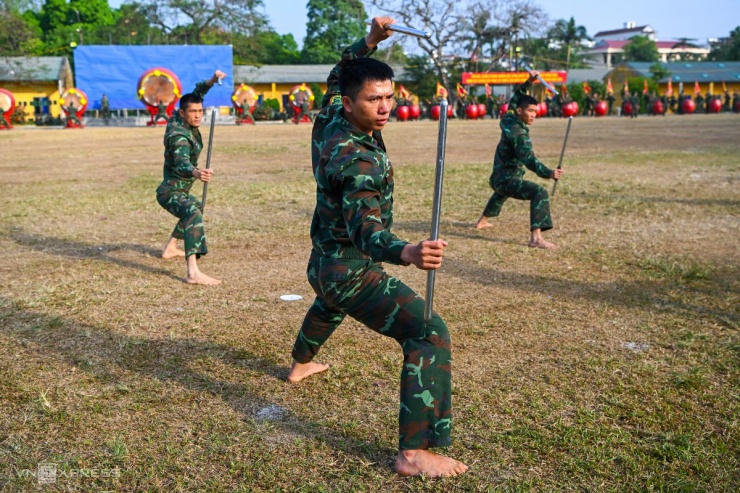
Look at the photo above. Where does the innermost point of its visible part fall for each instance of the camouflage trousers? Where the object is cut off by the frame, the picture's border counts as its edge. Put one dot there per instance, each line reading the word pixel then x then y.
pixel 190 227
pixel 515 187
pixel 361 289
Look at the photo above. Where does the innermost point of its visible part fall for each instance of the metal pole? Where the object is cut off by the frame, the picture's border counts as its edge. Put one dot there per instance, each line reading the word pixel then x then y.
pixel 543 81
pixel 437 204
pixel 562 153
pixel 403 30
pixel 208 158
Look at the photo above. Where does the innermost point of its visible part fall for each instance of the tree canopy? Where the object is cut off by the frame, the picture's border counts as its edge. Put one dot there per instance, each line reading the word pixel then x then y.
pixel 332 26
pixel 728 49
pixel 641 49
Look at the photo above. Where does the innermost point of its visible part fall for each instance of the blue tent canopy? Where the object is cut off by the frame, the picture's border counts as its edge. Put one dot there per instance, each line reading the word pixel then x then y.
pixel 114 71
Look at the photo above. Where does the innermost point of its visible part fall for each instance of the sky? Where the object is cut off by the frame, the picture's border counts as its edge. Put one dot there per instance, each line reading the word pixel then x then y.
pixel 672 19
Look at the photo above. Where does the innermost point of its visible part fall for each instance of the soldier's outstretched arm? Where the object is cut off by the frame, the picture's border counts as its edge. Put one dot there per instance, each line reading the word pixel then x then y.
pixel 361 48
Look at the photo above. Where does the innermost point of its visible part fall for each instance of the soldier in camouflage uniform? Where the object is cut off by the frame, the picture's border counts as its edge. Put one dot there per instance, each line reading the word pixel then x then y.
pixel 514 151
pixel 182 147
pixel 72 115
pixel 3 121
pixel 161 113
pixel 351 236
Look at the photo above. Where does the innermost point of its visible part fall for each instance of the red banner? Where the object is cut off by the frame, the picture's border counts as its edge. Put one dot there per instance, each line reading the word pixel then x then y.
pixel 506 78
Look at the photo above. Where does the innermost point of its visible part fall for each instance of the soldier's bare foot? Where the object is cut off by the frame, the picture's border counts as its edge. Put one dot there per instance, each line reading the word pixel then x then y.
pixel 541 244
pixel 172 252
pixel 483 223
pixel 201 278
pixel 299 371
pixel 418 462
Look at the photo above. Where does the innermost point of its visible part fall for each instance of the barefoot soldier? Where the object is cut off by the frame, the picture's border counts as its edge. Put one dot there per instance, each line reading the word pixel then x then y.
pixel 514 151
pixel 351 235
pixel 183 144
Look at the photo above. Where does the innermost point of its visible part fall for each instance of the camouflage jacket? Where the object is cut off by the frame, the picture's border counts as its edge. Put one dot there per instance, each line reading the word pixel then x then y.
pixel 514 150
pixel 182 147
pixel 354 182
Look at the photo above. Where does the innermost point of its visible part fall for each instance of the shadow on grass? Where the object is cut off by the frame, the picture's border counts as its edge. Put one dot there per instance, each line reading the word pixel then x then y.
pixel 79 250
pixel 638 199
pixel 457 229
pixel 646 294
pixel 103 353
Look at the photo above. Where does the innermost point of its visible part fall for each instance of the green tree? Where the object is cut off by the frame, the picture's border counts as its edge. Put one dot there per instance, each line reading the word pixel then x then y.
pixel 266 47
pixel 18 35
pixel 728 49
pixel 641 49
pixel 569 34
pixel 659 72
pixel 208 16
pixel 133 25
pixel 332 26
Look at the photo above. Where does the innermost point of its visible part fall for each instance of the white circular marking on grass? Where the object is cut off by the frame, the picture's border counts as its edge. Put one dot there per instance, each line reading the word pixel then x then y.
pixel 636 346
pixel 291 297
pixel 271 413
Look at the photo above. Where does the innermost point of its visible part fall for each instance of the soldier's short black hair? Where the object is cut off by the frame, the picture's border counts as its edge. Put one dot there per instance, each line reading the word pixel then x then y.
pixel 188 99
pixel 355 73
pixel 527 100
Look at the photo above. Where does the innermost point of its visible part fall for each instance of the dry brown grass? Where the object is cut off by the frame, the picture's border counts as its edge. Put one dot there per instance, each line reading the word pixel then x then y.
pixel 611 364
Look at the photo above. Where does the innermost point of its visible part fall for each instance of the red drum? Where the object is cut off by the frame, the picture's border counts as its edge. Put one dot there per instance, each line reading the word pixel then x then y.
pixel 481 110
pixel 414 111
pixel 688 106
pixel 657 108
pixel 435 112
pixel 715 106
pixel 7 103
pixel 570 109
pixel 402 113
pixel 504 108
pixel 600 108
pixel 471 111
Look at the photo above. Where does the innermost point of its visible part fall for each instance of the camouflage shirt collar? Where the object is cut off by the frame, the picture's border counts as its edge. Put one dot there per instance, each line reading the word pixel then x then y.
pixel 376 140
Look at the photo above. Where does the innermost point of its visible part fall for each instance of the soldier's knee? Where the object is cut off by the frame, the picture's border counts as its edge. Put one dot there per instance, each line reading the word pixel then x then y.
pixel 540 193
pixel 436 329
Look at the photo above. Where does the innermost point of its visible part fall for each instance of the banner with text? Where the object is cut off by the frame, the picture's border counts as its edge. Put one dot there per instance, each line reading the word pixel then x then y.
pixel 507 78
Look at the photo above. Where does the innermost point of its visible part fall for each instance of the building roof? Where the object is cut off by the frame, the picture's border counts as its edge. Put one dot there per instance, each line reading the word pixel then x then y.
pixel 626 30
pixel 35 69
pixel 613 44
pixel 584 74
pixel 689 71
pixel 289 74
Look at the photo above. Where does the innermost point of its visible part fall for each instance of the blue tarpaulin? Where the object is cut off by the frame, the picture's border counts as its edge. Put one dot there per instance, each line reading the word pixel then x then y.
pixel 115 70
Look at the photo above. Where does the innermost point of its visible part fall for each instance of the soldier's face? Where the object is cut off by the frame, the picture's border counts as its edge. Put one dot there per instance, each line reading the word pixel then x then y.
pixel 372 107
pixel 193 114
pixel 528 114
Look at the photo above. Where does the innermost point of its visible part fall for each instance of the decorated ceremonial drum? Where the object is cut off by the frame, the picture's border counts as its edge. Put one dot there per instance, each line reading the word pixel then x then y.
pixel 7 101
pixel 301 94
pixel 76 98
pixel 244 94
pixel 159 84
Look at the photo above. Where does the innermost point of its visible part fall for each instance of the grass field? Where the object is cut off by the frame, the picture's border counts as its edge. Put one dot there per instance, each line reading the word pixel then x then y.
pixel 611 364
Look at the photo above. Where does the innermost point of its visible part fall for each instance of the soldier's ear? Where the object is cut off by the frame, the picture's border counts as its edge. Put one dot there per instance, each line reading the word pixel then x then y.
pixel 347 104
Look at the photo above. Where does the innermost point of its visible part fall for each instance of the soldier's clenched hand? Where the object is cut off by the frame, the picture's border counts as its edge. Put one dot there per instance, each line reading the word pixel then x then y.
pixel 203 175
pixel 378 32
pixel 217 75
pixel 425 255
pixel 557 173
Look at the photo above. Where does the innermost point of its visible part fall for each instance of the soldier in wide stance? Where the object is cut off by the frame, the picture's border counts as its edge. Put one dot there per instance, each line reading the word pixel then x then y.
pixel 513 153
pixel 182 147
pixel 351 236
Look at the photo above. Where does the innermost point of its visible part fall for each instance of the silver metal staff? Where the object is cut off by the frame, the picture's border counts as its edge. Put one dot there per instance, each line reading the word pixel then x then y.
pixel 544 82
pixel 403 30
pixel 208 158
pixel 562 153
pixel 437 204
